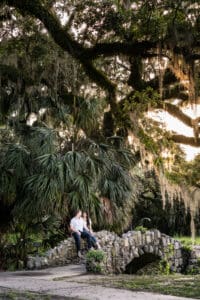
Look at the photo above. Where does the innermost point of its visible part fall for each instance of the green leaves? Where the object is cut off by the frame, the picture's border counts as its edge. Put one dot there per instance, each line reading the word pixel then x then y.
pixel 42 140
pixel 88 114
pixel 141 100
pixel 17 158
pixel 42 193
pixel 82 176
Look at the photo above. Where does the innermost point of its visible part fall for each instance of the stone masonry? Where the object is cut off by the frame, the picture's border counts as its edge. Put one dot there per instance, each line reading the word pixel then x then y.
pixel 193 263
pixel 119 250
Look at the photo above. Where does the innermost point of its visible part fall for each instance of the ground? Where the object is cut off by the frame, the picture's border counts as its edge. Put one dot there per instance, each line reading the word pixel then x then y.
pixel 72 282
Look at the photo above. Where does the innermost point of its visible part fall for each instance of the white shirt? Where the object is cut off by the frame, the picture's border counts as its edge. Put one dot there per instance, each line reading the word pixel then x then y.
pixel 84 223
pixel 77 224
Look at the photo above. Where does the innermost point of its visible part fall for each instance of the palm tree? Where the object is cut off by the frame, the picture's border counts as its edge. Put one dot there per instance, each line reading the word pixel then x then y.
pixel 40 175
pixel 63 160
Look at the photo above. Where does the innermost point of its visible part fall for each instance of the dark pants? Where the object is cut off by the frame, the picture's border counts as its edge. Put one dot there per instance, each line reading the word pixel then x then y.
pixel 85 235
pixel 92 238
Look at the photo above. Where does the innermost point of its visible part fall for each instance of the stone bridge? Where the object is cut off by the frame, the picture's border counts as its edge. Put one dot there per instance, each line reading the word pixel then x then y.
pixel 122 253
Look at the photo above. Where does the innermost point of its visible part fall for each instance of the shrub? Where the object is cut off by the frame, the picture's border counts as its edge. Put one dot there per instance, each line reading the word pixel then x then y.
pixel 164 267
pixel 141 228
pixel 187 248
pixel 95 255
pixel 94 261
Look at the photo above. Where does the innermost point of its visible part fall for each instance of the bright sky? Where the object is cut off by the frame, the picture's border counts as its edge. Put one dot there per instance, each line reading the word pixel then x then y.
pixel 173 124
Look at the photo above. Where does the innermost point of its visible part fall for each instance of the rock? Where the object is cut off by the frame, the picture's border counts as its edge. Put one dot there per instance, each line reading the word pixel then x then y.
pixel 157 234
pixel 119 251
pixel 126 243
pixel 176 261
pixel 30 263
pixel 177 245
pixel 164 241
pixel 37 263
pixel 151 250
pixel 136 253
pixel 140 251
pixel 178 253
pixel 148 239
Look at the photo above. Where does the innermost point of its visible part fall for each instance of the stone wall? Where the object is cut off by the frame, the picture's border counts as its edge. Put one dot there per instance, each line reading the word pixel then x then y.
pixel 193 260
pixel 63 254
pixel 119 251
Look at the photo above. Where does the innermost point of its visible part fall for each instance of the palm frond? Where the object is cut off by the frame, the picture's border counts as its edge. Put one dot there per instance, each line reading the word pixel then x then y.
pixel 42 140
pixel 75 200
pixel 88 114
pixel 53 166
pixel 82 183
pixel 17 159
pixel 74 161
pixel 41 193
pixel 94 209
pixel 126 158
pixel 116 184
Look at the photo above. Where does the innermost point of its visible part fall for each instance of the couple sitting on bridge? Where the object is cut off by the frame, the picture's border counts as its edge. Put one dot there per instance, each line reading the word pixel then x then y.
pixel 80 226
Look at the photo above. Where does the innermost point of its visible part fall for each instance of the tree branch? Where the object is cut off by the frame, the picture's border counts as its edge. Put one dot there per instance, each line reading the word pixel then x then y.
pixel 116 48
pixel 85 56
pixel 182 139
pixel 176 112
pixel 63 39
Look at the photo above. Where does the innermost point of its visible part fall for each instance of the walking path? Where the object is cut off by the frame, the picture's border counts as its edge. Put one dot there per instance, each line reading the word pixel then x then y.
pixel 44 281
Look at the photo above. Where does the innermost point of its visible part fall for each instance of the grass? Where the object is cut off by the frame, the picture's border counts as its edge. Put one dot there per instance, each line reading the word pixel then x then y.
pixel 175 285
pixel 187 240
pixel 9 294
pixel 183 286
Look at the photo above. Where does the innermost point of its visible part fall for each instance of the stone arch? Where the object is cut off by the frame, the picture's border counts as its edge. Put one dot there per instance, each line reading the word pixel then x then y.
pixel 139 262
pixel 120 251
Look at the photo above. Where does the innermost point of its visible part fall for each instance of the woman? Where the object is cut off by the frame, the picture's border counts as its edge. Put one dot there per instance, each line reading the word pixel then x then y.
pixel 87 224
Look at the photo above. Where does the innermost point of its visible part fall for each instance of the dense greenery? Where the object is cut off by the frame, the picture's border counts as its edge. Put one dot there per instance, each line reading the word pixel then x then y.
pixel 94 258
pixel 78 81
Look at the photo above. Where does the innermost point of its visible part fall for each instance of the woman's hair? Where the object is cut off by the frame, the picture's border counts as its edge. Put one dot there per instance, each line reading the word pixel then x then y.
pixel 87 218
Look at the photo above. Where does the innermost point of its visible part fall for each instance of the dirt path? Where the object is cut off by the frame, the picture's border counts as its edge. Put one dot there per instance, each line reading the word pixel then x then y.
pixel 44 282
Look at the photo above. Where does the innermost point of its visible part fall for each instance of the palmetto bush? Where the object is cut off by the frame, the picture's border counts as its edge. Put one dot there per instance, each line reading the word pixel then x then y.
pixel 38 177
pixel 41 170
pixel 30 237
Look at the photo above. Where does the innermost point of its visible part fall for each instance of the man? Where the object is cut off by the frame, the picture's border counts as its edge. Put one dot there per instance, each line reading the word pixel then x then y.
pixel 77 228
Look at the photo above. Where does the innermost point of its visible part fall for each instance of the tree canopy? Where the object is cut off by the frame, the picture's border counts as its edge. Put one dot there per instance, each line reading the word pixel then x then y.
pixel 95 70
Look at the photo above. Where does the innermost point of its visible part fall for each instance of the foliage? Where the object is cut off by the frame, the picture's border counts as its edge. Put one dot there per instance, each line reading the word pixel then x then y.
pixel 172 219
pixel 141 228
pixel 94 260
pixel 187 249
pixel 141 101
pixel 95 255
pixel 164 267
pixel 14 295
pixel 73 94
pixel 174 284
pixel 188 172
pixel 187 241
pixel 54 155
pixel 164 263
pixel 32 237
pixel 47 180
